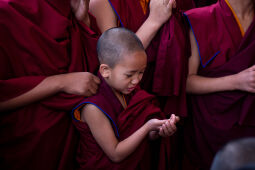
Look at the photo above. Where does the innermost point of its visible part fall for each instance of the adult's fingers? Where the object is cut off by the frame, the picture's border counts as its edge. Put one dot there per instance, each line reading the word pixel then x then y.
pixel 170 4
pixel 93 88
pixel 96 79
pixel 88 93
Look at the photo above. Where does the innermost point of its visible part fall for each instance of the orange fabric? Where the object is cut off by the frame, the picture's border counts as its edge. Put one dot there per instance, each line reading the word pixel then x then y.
pixel 237 20
pixel 77 113
pixel 144 5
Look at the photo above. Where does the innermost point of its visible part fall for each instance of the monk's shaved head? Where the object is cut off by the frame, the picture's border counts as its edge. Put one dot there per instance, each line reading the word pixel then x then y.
pixel 236 154
pixel 115 43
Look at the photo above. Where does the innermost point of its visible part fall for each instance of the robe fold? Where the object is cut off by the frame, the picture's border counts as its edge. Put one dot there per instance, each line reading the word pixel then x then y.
pixel 141 107
pixel 201 3
pixel 38 39
pixel 221 116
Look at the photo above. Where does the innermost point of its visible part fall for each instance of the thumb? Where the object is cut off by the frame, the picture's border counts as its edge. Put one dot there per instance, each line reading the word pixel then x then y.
pixel 161 122
pixel 177 118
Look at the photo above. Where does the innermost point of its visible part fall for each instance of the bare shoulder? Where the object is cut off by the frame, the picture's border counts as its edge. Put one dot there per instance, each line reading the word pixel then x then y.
pixel 91 112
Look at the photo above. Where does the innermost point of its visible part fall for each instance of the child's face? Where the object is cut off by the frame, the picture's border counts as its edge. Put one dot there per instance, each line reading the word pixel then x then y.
pixel 128 72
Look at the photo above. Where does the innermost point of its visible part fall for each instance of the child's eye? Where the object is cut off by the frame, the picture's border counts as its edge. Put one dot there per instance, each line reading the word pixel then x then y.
pixel 129 75
pixel 141 72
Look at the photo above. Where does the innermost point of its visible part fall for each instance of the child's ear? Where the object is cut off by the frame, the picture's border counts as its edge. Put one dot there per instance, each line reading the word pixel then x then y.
pixel 105 70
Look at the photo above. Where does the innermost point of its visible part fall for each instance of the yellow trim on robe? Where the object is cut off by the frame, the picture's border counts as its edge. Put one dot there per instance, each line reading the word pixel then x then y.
pixel 237 20
pixel 125 102
pixel 144 5
pixel 77 113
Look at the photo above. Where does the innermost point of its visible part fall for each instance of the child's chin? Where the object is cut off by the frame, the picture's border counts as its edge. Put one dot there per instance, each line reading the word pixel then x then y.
pixel 126 92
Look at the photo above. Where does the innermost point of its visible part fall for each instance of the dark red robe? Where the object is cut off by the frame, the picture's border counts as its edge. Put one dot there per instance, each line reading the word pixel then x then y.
pixel 222 116
pixel 38 39
pixel 141 107
pixel 201 3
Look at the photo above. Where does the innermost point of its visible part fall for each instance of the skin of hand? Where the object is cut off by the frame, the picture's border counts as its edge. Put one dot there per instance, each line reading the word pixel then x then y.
pixel 79 83
pixel 154 124
pixel 161 10
pixel 169 127
pixel 245 80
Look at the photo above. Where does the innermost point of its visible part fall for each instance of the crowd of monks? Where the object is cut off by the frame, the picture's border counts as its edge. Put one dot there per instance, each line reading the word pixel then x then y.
pixel 200 67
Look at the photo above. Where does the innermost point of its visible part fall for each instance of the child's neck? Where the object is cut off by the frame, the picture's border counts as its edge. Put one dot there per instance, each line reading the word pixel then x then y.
pixel 121 98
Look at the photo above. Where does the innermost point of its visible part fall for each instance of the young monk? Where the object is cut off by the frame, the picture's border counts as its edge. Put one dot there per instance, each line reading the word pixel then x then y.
pixel 221 77
pixel 163 38
pixel 41 44
pixel 161 29
pixel 115 123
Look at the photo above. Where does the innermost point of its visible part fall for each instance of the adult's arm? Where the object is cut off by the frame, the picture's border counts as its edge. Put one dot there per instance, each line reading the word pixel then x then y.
pixel 80 83
pixel 245 80
pixel 160 12
pixel 80 9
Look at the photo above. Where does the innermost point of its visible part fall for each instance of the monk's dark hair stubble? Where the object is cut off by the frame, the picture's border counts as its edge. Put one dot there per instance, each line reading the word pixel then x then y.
pixel 235 154
pixel 114 43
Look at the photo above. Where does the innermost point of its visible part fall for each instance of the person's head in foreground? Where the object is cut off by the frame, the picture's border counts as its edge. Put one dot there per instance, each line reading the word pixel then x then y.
pixel 122 59
pixel 237 154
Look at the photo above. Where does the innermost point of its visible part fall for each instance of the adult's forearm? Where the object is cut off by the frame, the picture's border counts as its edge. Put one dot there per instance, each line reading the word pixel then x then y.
pixel 203 85
pixel 147 31
pixel 49 86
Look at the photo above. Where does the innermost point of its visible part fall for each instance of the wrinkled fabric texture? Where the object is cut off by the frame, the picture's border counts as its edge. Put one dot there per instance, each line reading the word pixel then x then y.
pixel 202 3
pixel 141 107
pixel 222 116
pixel 38 39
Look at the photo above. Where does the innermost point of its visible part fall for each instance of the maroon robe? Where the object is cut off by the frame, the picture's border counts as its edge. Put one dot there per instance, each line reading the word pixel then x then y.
pixel 141 107
pixel 38 39
pixel 221 116
pixel 201 3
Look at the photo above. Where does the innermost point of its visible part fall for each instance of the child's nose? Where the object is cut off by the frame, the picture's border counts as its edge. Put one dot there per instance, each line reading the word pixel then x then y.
pixel 136 80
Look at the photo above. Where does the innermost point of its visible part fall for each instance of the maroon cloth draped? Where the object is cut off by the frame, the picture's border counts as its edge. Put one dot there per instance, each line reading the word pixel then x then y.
pixel 141 107
pixel 185 4
pixel 165 74
pixel 222 116
pixel 201 3
pixel 39 39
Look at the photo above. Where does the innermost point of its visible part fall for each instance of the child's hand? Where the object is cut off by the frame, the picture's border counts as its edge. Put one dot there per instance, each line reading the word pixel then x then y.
pixel 169 127
pixel 245 80
pixel 155 124
pixel 161 10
